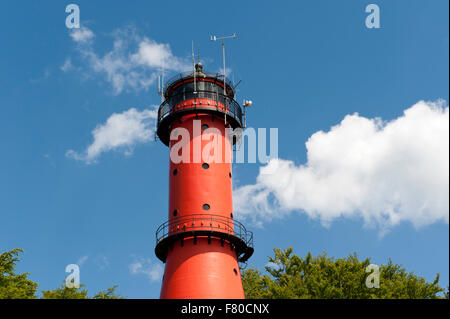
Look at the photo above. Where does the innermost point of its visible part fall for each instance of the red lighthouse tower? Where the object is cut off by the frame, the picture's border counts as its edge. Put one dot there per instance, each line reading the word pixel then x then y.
pixel 201 244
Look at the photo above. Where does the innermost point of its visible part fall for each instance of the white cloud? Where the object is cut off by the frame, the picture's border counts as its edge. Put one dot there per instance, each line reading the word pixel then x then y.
pixel 67 66
pixel 146 267
pixel 157 55
pixel 81 35
pixel 133 63
pixel 122 131
pixel 43 77
pixel 383 172
pixel 102 262
pixel 82 260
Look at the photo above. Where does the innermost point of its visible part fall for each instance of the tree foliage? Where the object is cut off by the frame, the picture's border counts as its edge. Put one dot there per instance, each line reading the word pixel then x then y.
pixel 288 276
pixel 322 277
pixel 18 286
pixel 12 285
pixel 63 292
pixel 109 293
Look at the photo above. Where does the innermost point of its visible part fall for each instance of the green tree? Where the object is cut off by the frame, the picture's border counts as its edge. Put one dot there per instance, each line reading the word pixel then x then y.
pixel 18 286
pixel 109 293
pixel 12 285
pixel 63 292
pixel 291 277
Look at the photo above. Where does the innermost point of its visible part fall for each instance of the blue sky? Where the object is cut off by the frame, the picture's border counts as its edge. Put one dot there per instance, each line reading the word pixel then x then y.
pixel 305 64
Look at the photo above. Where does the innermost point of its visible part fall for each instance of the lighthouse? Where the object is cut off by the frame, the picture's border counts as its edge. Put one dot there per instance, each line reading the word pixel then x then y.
pixel 201 242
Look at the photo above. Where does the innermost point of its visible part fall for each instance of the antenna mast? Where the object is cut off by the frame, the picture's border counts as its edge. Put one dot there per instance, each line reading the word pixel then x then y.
pixel 214 38
pixel 193 65
pixel 161 84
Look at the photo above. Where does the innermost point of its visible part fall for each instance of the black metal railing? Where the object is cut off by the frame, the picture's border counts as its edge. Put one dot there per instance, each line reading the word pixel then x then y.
pixel 222 103
pixel 208 74
pixel 203 222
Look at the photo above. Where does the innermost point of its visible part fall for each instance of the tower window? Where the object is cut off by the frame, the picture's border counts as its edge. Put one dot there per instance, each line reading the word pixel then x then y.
pixel 205 126
pixel 206 206
pixel 175 171
pixel 235 271
pixel 175 212
pixel 205 165
pixel 229 174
